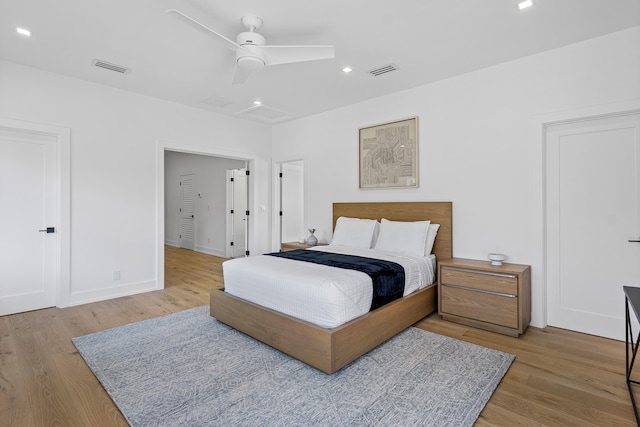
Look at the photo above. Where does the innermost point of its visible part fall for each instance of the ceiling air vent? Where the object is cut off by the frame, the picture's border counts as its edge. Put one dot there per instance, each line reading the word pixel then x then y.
pixel 216 101
pixel 109 66
pixel 383 70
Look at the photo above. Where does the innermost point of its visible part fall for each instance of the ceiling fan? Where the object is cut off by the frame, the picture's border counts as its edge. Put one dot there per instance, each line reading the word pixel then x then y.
pixel 251 51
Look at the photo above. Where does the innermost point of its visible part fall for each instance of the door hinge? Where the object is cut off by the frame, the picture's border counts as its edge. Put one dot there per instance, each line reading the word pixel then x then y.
pixel 246 213
pixel 246 253
pixel 231 179
pixel 231 244
pixel 246 172
pixel 232 211
pixel 280 174
pixel 280 213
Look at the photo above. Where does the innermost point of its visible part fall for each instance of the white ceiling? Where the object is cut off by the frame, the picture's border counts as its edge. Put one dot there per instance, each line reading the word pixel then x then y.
pixel 427 40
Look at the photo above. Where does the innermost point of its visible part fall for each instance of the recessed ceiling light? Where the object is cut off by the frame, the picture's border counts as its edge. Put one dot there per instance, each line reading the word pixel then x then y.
pixel 257 102
pixel 23 32
pixel 347 70
pixel 525 4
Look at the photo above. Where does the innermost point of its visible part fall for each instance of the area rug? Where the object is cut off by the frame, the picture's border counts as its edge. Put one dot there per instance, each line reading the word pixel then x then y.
pixel 188 369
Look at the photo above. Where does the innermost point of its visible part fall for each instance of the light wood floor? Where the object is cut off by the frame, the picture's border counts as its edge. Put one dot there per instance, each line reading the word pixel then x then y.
pixel 559 378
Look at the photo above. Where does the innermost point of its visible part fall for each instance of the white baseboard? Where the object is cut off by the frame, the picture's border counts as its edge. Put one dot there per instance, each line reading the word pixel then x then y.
pixel 107 293
pixel 199 248
pixel 211 251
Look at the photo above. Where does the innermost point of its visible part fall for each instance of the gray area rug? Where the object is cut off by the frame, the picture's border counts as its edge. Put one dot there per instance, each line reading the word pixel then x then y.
pixel 188 369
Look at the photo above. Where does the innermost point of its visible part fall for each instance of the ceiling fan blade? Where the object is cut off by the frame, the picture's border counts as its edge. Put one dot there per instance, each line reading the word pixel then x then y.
pixel 200 26
pixel 241 75
pixel 286 54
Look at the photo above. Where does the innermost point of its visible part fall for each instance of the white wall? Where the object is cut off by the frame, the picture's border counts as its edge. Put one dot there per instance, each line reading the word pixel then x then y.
pixel 477 146
pixel 117 141
pixel 210 207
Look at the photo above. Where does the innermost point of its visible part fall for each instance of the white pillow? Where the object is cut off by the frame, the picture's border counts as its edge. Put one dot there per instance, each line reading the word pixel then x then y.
pixel 431 238
pixel 401 237
pixel 354 232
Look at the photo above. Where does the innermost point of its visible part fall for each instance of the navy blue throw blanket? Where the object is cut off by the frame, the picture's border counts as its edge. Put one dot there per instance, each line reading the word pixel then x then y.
pixel 387 276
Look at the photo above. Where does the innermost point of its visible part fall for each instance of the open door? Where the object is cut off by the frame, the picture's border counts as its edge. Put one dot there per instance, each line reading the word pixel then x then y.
pixel 238 212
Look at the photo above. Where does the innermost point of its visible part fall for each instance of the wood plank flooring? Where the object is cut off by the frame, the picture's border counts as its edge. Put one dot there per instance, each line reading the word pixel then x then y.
pixel 559 378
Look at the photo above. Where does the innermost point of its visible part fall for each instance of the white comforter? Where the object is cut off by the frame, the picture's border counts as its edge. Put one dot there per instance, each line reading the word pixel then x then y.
pixel 319 294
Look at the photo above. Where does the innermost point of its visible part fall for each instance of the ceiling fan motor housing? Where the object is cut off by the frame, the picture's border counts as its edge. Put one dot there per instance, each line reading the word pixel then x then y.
pixel 249 57
pixel 250 38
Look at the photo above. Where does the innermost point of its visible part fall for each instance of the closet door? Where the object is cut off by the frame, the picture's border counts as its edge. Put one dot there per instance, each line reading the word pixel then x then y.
pixel 239 209
pixel 29 269
pixel 593 199
pixel 187 212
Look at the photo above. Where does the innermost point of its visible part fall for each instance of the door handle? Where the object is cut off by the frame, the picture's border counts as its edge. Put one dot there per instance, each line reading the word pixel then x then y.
pixel 634 241
pixel 48 230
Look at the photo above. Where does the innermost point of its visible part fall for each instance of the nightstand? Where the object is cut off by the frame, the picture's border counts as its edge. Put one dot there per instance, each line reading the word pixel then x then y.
pixel 290 246
pixel 492 297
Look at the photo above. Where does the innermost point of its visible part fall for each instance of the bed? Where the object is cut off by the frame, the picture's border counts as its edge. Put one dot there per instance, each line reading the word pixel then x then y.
pixel 330 349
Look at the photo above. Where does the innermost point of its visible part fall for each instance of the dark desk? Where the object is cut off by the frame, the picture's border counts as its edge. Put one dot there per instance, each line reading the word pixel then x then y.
pixel 632 299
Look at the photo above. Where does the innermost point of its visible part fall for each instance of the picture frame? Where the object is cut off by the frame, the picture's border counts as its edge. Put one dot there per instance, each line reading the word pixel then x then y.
pixel 388 155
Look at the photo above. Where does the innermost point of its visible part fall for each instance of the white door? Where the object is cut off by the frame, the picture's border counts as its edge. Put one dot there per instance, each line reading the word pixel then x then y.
pixel 292 201
pixel 28 256
pixel 593 196
pixel 238 193
pixel 187 212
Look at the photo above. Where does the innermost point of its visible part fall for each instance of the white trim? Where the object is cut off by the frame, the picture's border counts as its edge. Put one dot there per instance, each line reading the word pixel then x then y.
pixel 537 132
pixel 228 218
pixel 63 209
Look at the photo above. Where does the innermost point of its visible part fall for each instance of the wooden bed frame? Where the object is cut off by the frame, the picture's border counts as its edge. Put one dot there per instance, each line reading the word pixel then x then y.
pixel 331 349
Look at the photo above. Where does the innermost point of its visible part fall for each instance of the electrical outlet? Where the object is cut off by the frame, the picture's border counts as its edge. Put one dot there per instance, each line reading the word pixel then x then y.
pixel 116 274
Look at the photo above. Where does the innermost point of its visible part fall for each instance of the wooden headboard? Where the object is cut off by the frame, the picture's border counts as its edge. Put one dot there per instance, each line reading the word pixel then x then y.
pixel 436 212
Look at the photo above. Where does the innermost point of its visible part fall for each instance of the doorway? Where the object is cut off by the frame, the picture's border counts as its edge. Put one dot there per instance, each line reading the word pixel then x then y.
pixel 592 211
pixel 292 201
pixel 209 200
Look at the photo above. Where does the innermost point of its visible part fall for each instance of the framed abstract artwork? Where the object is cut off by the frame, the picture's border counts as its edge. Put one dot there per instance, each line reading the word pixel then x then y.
pixel 389 155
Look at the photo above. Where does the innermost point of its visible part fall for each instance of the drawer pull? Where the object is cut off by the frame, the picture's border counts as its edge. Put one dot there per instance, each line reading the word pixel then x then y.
pixel 488 273
pixel 502 294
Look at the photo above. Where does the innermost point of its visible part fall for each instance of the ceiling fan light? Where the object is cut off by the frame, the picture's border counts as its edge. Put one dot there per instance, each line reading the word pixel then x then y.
pixel 250 63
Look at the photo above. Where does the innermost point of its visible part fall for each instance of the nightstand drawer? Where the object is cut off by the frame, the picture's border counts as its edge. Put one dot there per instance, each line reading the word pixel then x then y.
pixel 484 306
pixel 474 279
